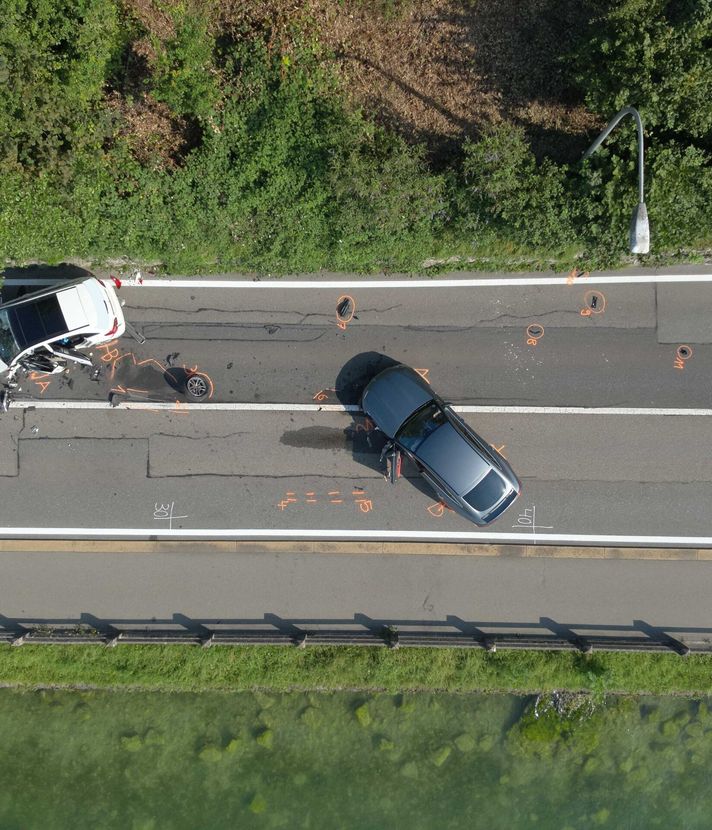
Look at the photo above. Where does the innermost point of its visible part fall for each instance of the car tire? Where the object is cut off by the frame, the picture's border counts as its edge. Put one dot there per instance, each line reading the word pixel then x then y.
pixel 196 387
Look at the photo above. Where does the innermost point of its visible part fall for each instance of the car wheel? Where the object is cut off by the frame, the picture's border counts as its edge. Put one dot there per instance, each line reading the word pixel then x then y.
pixel 196 386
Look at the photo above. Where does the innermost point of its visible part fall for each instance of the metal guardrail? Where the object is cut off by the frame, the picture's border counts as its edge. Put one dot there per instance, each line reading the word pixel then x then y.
pixel 387 636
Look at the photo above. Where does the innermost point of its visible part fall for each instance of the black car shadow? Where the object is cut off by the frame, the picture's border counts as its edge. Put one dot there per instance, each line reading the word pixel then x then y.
pixel 356 373
pixel 28 276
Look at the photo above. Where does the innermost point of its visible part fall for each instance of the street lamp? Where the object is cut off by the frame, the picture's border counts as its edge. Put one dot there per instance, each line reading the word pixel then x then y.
pixel 639 228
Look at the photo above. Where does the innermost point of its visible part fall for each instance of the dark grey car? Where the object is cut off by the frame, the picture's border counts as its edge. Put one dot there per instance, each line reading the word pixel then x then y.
pixel 464 470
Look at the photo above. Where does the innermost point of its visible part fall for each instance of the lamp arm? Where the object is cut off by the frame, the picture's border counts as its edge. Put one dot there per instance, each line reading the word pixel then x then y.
pixel 607 131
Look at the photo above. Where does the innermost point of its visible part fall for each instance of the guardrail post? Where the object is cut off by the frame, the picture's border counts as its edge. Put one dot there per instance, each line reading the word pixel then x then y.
pixel 391 637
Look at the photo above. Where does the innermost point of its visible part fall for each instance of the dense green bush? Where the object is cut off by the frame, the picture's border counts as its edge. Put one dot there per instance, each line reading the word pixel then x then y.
pixel 54 59
pixel 506 186
pixel 655 55
pixel 184 76
pixel 262 165
pixel 389 210
pixel 285 179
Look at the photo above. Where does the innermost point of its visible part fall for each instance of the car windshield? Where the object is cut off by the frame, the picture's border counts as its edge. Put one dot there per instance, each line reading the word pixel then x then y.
pixel 486 493
pixel 419 426
pixel 8 345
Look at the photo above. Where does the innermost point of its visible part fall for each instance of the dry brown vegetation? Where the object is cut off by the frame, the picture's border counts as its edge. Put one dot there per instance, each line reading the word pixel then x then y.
pixel 441 70
pixel 436 71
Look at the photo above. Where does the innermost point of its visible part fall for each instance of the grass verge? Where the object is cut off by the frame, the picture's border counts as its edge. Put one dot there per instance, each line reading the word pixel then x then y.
pixel 187 668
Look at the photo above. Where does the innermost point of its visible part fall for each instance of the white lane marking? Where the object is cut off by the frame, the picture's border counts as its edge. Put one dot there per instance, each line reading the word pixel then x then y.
pixel 434 282
pixel 187 407
pixel 337 407
pixel 349 535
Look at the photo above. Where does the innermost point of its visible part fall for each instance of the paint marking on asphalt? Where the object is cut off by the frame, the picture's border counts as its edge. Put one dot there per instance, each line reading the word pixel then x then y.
pixel 207 534
pixel 310 407
pixel 434 282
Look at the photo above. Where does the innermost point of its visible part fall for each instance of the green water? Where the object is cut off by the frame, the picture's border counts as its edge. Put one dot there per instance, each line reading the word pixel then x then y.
pixel 139 761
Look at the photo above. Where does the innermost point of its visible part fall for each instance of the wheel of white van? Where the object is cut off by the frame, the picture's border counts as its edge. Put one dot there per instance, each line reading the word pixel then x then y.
pixel 196 386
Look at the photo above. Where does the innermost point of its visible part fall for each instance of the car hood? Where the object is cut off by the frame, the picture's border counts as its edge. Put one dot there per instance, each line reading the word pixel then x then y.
pixel 393 396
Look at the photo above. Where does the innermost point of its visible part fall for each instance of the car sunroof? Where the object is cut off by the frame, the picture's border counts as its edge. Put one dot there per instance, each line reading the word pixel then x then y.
pixel 38 321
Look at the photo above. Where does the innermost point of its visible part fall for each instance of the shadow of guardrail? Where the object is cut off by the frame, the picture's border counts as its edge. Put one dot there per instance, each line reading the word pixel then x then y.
pixel 359 630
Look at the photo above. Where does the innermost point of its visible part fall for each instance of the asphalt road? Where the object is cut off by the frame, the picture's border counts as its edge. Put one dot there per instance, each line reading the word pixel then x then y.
pixel 195 471
pixel 286 346
pixel 234 471
pixel 583 474
pixel 320 591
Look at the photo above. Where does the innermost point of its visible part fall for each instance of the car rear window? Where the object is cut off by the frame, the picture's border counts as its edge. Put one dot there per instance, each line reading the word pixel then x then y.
pixel 38 321
pixel 487 493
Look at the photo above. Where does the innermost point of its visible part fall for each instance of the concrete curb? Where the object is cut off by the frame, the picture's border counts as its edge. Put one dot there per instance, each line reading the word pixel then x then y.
pixel 131 546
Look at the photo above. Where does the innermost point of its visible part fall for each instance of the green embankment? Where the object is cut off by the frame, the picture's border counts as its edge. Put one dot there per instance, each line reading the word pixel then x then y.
pixel 170 134
pixel 186 668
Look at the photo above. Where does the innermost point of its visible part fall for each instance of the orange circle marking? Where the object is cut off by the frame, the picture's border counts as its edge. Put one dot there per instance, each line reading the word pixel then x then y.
pixel 340 318
pixel 588 299
pixel 535 331
pixel 684 352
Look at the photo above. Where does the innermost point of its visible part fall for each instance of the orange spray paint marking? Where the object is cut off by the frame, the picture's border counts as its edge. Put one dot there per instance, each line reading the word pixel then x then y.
pixel 39 380
pixel 345 308
pixel 114 356
pixel 366 426
pixel 594 303
pixel 682 354
pixel 323 394
pixel 499 449
pixel 109 352
pixel 574 274
pixel 364 505
pixel 424 374
pixel 535 331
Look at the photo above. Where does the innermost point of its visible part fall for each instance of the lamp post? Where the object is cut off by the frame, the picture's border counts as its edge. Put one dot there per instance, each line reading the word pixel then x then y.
pixel 639 228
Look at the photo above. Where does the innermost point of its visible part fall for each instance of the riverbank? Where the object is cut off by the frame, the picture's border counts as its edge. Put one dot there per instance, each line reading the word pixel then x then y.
pixel 243 668
pixel 351 760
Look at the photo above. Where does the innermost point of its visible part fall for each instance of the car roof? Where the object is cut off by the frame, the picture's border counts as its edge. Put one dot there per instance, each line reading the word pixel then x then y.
pixel 452 457
pixel 393 396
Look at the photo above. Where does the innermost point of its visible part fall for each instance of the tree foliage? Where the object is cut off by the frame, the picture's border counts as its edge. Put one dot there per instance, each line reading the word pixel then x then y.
pixel 271 169
pixel 505 185
pixel 54 59
pixel 655 55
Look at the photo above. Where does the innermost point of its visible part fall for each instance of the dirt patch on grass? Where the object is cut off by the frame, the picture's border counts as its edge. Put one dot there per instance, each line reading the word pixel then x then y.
pixel 440 70
pixel 155 135
pixel 155 19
